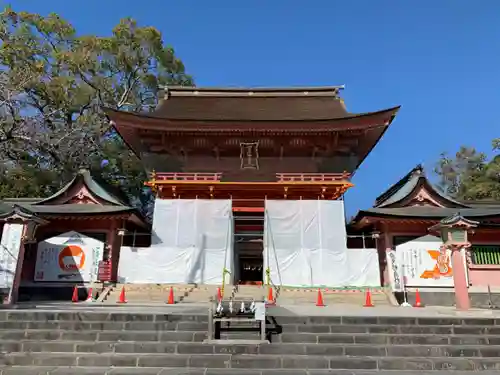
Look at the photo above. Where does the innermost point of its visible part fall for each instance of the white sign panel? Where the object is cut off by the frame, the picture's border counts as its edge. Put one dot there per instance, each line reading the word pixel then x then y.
pixel 68 257
pixel 422 263
pixel 260 311
pixel 394 271
pixel 9 253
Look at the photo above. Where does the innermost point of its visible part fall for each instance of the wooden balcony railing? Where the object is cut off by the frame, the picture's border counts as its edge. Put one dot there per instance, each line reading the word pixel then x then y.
pixel 159 176
pixel 280 177
pixel 312 177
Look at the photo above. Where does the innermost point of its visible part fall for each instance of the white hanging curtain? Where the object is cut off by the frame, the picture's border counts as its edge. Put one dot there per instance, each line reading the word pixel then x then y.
pixel 306 245
pixel 192 243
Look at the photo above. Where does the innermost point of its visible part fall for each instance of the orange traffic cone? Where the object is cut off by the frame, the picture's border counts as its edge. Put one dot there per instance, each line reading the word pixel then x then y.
pixel 121 298
pixel 270 298
pixel 219 295
pixel 418 301
pixel 171 297
pixel 89 296
pixel 319 301
pixel 368 301
pixel 74 298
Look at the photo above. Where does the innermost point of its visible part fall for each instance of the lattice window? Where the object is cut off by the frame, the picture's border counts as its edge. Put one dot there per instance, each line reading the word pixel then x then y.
pixel 485 254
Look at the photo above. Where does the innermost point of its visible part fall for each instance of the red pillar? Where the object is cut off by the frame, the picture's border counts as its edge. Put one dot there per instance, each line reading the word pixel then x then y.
pixel 385 245
pixel 460 279
pixel 114 243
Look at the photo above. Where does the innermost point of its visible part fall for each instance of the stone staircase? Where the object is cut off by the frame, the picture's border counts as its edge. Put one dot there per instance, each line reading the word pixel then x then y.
pixel 158 294
pixel 98 342
pixel 248 293
pixel 333 297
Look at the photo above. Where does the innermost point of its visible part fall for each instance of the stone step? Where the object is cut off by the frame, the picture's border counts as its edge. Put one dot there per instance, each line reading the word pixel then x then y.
pixel 310 350
pixel 161 296
pixel 334 300
pixel 107 326
pixel 96 316
pixel 187 293
pixel 156 291
pixel 313 295
pixel 293 337
pixel 59 370
pixel 286 328
pixel 249 361
pixel 158 286
pixel 384 320
pixel 392 339
pixel 92 336
pixel 102 316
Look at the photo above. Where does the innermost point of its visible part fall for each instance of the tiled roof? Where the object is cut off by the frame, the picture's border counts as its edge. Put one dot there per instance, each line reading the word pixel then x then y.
pixel 96 188
pixel 430 212
pixel 406 186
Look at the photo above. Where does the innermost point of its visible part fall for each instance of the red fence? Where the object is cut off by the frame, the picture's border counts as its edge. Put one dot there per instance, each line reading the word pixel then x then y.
pixel 158 176
pixel 280 177
pixel 312 177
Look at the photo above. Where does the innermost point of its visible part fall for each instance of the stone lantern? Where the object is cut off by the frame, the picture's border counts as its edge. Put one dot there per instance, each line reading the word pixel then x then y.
pixel 30 223
pixel 454 232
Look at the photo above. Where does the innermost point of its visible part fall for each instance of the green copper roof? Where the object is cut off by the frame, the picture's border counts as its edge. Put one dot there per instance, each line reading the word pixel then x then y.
pixel 94 187
pixel 457 218
pixel 65 209
pixel 404 187
pixel 114 201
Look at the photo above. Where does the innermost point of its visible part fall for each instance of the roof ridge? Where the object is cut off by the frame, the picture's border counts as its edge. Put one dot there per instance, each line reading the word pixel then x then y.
pixel 228 89
pixel 410 181
pixel 394 188
pixel 93 183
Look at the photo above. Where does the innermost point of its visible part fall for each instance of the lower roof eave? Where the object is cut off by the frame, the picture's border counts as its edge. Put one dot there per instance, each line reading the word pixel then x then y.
pixel 129 216
pixel 86 216
pixel 363 222
pixel 364 219
pixel 138 120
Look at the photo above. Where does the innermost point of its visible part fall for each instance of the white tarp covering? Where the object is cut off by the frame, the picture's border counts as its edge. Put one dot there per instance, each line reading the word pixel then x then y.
pixel 70 256
pixel 192 243
pixel 9 253
pixel 421 263
pixel 305 244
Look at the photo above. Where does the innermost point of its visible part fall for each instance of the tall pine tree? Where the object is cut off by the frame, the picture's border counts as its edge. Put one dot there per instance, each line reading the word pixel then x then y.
pixel 53 86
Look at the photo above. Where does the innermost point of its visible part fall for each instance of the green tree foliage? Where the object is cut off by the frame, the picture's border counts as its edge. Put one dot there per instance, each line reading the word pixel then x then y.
pixel 470 175
pixel 53 86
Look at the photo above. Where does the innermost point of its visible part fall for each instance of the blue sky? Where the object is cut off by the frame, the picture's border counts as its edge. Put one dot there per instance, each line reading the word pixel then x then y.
pixel 440 60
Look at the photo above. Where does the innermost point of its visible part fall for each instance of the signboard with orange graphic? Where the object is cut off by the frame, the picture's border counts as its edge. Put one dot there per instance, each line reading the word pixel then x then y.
pixel 68 257
pixel 420 263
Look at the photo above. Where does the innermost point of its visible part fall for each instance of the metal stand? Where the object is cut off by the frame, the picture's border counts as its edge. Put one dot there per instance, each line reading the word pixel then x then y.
pixel 491 304
pixel 216 325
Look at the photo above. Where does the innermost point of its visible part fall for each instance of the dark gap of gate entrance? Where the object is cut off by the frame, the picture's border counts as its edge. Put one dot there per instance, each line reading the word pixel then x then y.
pixel 248 246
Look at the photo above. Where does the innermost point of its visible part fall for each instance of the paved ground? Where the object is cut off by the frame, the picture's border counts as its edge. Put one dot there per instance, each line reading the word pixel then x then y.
pixel 281 310
pixel 472 289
